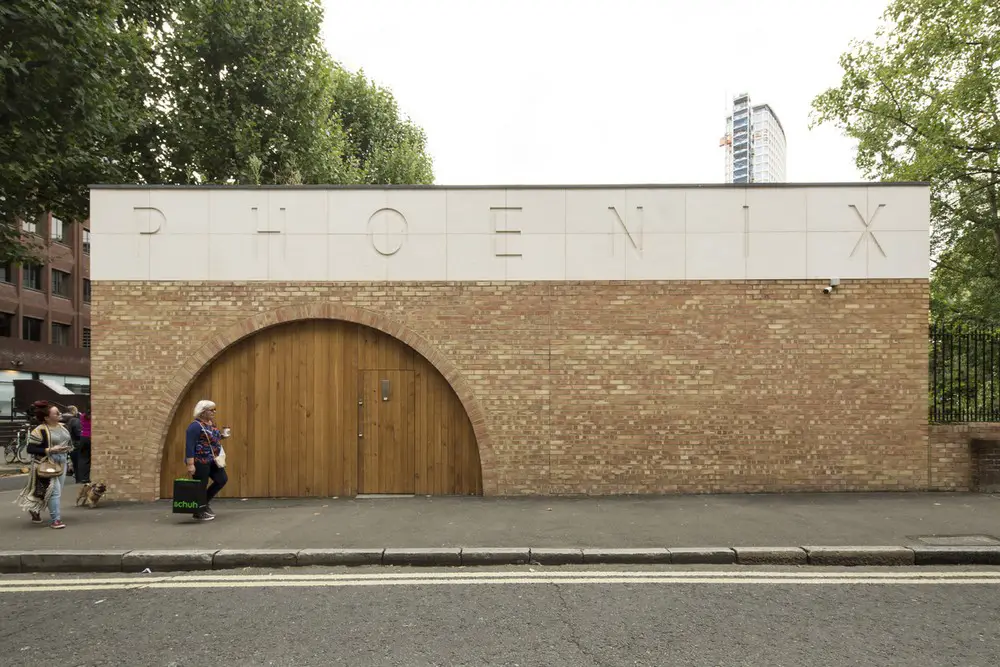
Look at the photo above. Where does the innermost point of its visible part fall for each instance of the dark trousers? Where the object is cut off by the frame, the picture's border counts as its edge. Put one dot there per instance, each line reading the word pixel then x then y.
pixel 81 460
pixel 74 456
pixel 204 472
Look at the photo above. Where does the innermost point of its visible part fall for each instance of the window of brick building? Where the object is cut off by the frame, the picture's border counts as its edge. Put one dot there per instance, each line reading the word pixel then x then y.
pixel 31 328
pixel 58 230
pixel 62 284
pixel 86 336
pixel 32 276
pixel 86 290
pixel 6 325
pixel 29 227
pixel 86 241
pixel 6 273
pixel 62 334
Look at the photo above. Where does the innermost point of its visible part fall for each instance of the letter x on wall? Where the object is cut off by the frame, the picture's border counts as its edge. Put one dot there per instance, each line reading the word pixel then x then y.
pixel 868 229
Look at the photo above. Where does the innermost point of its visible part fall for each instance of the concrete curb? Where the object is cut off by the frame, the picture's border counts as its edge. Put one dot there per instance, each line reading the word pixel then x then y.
pixel 771 556
pixel 854 556
pixel 180 560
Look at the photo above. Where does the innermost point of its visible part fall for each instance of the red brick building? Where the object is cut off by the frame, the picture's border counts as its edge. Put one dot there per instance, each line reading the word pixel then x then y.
pixel 45 311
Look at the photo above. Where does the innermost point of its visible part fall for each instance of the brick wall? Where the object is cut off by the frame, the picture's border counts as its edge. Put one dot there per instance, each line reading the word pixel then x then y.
pixel 952 464
pixel 600 388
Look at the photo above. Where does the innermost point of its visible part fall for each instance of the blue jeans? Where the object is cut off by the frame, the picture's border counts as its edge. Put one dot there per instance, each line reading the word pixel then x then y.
pixel 59 482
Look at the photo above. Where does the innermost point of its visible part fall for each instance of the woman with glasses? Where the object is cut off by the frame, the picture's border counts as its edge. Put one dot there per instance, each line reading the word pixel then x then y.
pixel 202 454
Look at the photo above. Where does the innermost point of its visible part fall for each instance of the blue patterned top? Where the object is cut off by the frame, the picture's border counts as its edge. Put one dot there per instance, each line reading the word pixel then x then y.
pixel 202 442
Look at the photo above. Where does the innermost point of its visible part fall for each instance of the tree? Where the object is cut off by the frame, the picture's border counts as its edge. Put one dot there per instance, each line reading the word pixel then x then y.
pixel 63 108
pixel 923 102
pixel 383 147
pixel 248 83
pixel 181 92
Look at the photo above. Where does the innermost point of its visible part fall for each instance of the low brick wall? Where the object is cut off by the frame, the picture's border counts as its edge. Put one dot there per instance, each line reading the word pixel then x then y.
pixel 953 466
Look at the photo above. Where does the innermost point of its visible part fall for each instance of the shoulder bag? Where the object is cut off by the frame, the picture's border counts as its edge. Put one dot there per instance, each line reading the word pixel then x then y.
pixel 47 468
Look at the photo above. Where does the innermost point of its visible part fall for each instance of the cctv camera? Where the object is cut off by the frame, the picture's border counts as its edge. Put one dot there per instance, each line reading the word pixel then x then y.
pixel 828 289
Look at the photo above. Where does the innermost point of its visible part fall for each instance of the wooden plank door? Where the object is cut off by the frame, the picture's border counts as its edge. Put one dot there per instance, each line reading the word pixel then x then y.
pixel 290 394
pixel 386 460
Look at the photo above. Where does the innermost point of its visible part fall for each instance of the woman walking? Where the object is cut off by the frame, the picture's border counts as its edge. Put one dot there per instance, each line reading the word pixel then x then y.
pixel 51 440
pixel 202 452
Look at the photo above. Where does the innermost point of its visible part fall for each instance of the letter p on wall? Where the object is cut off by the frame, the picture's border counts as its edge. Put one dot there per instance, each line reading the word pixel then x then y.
pixel 148 219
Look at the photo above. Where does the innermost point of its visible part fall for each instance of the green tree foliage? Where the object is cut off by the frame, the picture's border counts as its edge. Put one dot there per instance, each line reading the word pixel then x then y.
pixel 923 102
pixel 384 147
pixel 64 107
pixel 182 92
pixel 250 78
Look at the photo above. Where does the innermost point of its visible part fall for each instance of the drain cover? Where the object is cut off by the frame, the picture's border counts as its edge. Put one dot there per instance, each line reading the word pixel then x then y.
pixel 958 540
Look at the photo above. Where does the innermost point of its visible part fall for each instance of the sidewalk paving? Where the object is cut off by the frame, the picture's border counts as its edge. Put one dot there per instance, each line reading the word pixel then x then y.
pixel 778 520
pixel 7 469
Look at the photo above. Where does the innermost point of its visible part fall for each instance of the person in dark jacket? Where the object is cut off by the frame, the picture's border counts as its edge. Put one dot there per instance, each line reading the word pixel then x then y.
pixel 49 439
pixel 73 424
pixel 84 474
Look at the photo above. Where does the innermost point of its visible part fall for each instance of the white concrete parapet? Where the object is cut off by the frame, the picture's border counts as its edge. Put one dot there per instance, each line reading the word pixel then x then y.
pixel 709 232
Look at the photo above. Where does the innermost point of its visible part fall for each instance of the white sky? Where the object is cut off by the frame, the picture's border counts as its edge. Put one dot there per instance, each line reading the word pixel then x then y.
pixel 602 91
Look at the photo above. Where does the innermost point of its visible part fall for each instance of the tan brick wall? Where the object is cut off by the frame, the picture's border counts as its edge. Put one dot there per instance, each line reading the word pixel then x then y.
pixel 600 388
pixel 951 461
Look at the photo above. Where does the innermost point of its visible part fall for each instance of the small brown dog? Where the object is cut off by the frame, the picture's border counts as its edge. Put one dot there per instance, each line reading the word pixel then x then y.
pixel 91 494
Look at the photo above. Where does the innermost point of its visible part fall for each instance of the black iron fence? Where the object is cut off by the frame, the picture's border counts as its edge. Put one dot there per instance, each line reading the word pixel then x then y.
pixel 964 374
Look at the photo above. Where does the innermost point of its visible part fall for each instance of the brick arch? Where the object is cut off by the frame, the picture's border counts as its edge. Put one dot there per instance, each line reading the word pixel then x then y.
pixel 182 380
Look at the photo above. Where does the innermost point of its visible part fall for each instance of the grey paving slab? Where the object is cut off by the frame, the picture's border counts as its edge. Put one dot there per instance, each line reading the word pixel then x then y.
pixel 870 519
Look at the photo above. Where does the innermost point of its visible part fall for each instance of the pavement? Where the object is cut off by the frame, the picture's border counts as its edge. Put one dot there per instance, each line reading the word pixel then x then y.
pixel 527 617
pixel 12 475
pixel 887 528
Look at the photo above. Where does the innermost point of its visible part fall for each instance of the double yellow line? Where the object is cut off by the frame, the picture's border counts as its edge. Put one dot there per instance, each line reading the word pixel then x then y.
pixel 459 578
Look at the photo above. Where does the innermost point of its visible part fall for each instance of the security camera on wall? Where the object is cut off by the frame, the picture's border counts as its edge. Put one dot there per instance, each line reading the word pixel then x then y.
pixel 833 283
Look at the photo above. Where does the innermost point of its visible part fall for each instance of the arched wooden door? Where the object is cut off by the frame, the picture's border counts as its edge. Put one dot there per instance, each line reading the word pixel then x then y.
pixel 329 408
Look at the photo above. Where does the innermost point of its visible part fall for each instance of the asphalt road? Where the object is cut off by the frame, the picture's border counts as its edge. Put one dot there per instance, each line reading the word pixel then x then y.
pixel 522 616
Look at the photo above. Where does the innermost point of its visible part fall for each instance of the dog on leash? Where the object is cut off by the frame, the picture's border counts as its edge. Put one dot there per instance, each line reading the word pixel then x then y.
pixel 91 494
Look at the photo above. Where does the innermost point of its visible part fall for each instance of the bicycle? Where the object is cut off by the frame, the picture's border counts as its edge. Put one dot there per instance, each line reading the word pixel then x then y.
pixel 17 448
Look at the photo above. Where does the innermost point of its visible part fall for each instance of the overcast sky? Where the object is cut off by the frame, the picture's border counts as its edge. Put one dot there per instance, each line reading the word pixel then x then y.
pixel 602 91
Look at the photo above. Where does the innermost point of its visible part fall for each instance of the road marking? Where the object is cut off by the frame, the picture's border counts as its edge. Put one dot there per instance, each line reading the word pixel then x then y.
pixel 499 578
pixel 417 574
pixel 480 582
